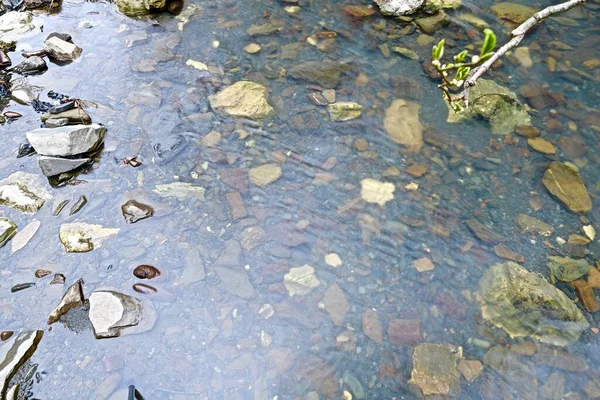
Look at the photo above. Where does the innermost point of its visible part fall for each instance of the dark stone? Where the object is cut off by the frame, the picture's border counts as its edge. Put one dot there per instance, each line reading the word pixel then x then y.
pixel 134 211
pixel 146 272
pixel 144 289
pixel 30 65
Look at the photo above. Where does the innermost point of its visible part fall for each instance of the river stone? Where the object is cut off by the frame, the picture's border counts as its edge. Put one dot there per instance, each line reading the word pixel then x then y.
pixel 235 280
pixel 181 191
pixel 8 229
pixel 324 73
pixel 115 314
pixel 514 12
pixel 134 211
pixel 24 192
pixel 31 64
pixel 52 166
pixel 265 174
pixel 24 235
pixel 344 111
pixel 336 304
pixel 402 124
pixel 61 50
pixel 242 99
pixel 518 374
pixel 567 269
pixel 433 23
pixel 528 224
pixel 373 191
pixel 74 116
pixel 14 354
pixel 495 104
pixel 13 24
pixel 525 304
pixel 132 8
pixel 565 183
pixel 67 140
pixel 435 372
pixel 301 280
pixel 399 7
pixel 80 237
pixel 72 298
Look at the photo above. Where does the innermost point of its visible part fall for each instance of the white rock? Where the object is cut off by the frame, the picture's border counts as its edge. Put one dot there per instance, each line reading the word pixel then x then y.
pixel 24 192
pixel 301 280
pixel 180 190
pixel 24 235
pixel 14 24
pixel 373 191
pixel 61 50
pixel 79 237
pixel 333 260
pixel 399 7
pixel 67 140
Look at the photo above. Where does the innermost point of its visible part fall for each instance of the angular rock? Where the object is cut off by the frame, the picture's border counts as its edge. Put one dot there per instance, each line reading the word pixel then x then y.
pixel 193 271
pixel 405 332
pixel 504 252
pixel 132 8
pixel 181 191
pixel 23 236
pixel 373 191
pixel 242 99
pixel 30 65
pixel 263 30
pixel 14 354
pixel 115 314
pixel 433 23
pixel 301 280
pixel 134 211
pixel 336 304
pixel 403 126
pixel 344 111
pixel 236 282
pixel 586 295
pixel 265 174
pixel 557 357
pixel 399 7
pixel 71 299
pixel 237 178
pixel 61 50
pixel 14 24
pixel 21 197
pixel 236 205
pixel 435 371
pixel 567 269
pixel 525 304
pixel 52 166
pixel 73 116
pixel 67 140
pixel 529 224
pixel 8 229
pixel 324 73
pixel 484 233
pixel 372 326
pixel 470 369
pixel 80 237
pixel 320 375
pixel 566 184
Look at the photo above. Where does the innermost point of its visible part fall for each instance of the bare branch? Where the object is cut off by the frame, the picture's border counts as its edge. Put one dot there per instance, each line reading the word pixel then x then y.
pixel 518 34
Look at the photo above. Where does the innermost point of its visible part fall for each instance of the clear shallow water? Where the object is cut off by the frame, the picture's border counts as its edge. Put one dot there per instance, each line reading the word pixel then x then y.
pixel 210 343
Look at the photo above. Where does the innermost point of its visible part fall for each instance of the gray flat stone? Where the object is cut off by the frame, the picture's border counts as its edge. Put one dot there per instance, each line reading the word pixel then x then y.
pixel 67 140
pixel 52 166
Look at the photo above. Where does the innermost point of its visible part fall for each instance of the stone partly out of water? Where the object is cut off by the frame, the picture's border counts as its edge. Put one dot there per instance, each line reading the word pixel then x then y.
pixel 435 373
pixel 403 126
pixel 80 237
pixel 324 73
pixel 23 192
pixel 146 272
pixel 399 7
pixel 495 104
pixel 14 24
pixel 513 12
pixel 23 236
pixel 136 8
pixel 134 211
pixel 115 314
pixel 67 140
pixel 30 65
pixel 528 224
pixel 8 229
pixel 265 174
pixel 301 280
pixel 525 304
pixel 74 116
pixel 344 111
pixel 61 50
pixel 181 191
pixel 72 298
pixel 52 166
pixel 244 99
pixel 14 354
pixel 566 184
pixel 567 269
pixel 374 191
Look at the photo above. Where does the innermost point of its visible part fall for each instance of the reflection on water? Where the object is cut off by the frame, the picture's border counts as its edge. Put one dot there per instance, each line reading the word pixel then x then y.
pixel 307 257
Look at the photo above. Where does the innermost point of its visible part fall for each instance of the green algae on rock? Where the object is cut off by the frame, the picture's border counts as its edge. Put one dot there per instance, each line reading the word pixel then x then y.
pixel 435 371
pixel 495 104
pixel 344 111
pixel 525 304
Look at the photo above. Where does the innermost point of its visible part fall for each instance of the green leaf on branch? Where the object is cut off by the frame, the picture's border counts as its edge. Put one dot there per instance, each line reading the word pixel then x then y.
pixel 460 57
pixel 489 42
pixel 438 50
pixel 462 73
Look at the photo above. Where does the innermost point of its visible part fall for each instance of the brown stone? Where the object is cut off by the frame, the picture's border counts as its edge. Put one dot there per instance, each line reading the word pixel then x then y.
pixel 566 184
pixel 533 225
pixel 286 234
pixel 361 144
pixel 40 273
pixel 524 348
pixel 236 205
pixel 541 145
pixel 359 11
pixel 336 304
pixel 236 178
pixel 405 332
pixel 573 146
pixel 417 170
pixel 553 125
pixel 484 233
pixel 146 272
pixel 281 358
pixel 320 375
pixel 252 237
pixel 372 326
pixel 470 369
pixel 528 131
pixel 423 264
pixel 504 252
pixel 594 278
pixel 5 335
pixel 586 295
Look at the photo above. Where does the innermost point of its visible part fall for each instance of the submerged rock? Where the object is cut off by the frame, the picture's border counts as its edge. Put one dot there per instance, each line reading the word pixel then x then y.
pixel 513 12
pixel 525 304
pixel 79 237
pixel 324 73
pixel 344 111
pixel 495 104
pixel 180 190
pixel 24 192
pixel 566 184
pixel 8 229
pixel 403 126
pixel 115 314
pixel 435 372
pixel 374 191
pixel 14 354
pixel 265 174
pixel 301 280
pixel 518 374
pixel 399 7
pixel 134 211
pixel 242 99
pixel 71 299
pixel 67 140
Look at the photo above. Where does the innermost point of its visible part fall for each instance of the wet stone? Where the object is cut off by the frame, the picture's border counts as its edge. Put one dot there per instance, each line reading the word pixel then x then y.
pixel 533 225
pixel 72 298
pixel 286 234
pixel 405 332
pixel 403 126
pixel 518 374
pixel 557 357
pixel 301 280
pixel 8 229
pixel 134 211
pixel 336 304
pixel 58 279
pixel 372 326
pixel 484 233
pixel 566 184
pixel 265 174
pixel 323 73
pixel 435 371
pixel 236 282
pixel 236 205
pixel 23 192
pixel 567 269
pixel 344 111
pixel 14 354
pixel 144 288
pixel 79 204
pixel 243 99
pixel 374 191
pixel 252 237
pixel 146 272
pixel 53 166
pixel 66 141
pixel 81 237
pixel 470 369
pixel 40 273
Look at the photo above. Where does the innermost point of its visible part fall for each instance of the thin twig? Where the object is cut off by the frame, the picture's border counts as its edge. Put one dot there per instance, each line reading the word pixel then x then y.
pixel 518 34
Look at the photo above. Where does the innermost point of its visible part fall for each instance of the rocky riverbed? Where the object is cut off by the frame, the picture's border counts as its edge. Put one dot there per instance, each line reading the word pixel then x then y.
pixel 271 199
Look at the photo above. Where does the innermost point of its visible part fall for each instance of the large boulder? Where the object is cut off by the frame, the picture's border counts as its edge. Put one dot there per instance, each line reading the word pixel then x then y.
pixel 399 7
pixel 525 304
pixel 495 104
pixel 115 314
pixel 244 99
pixel 67 141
